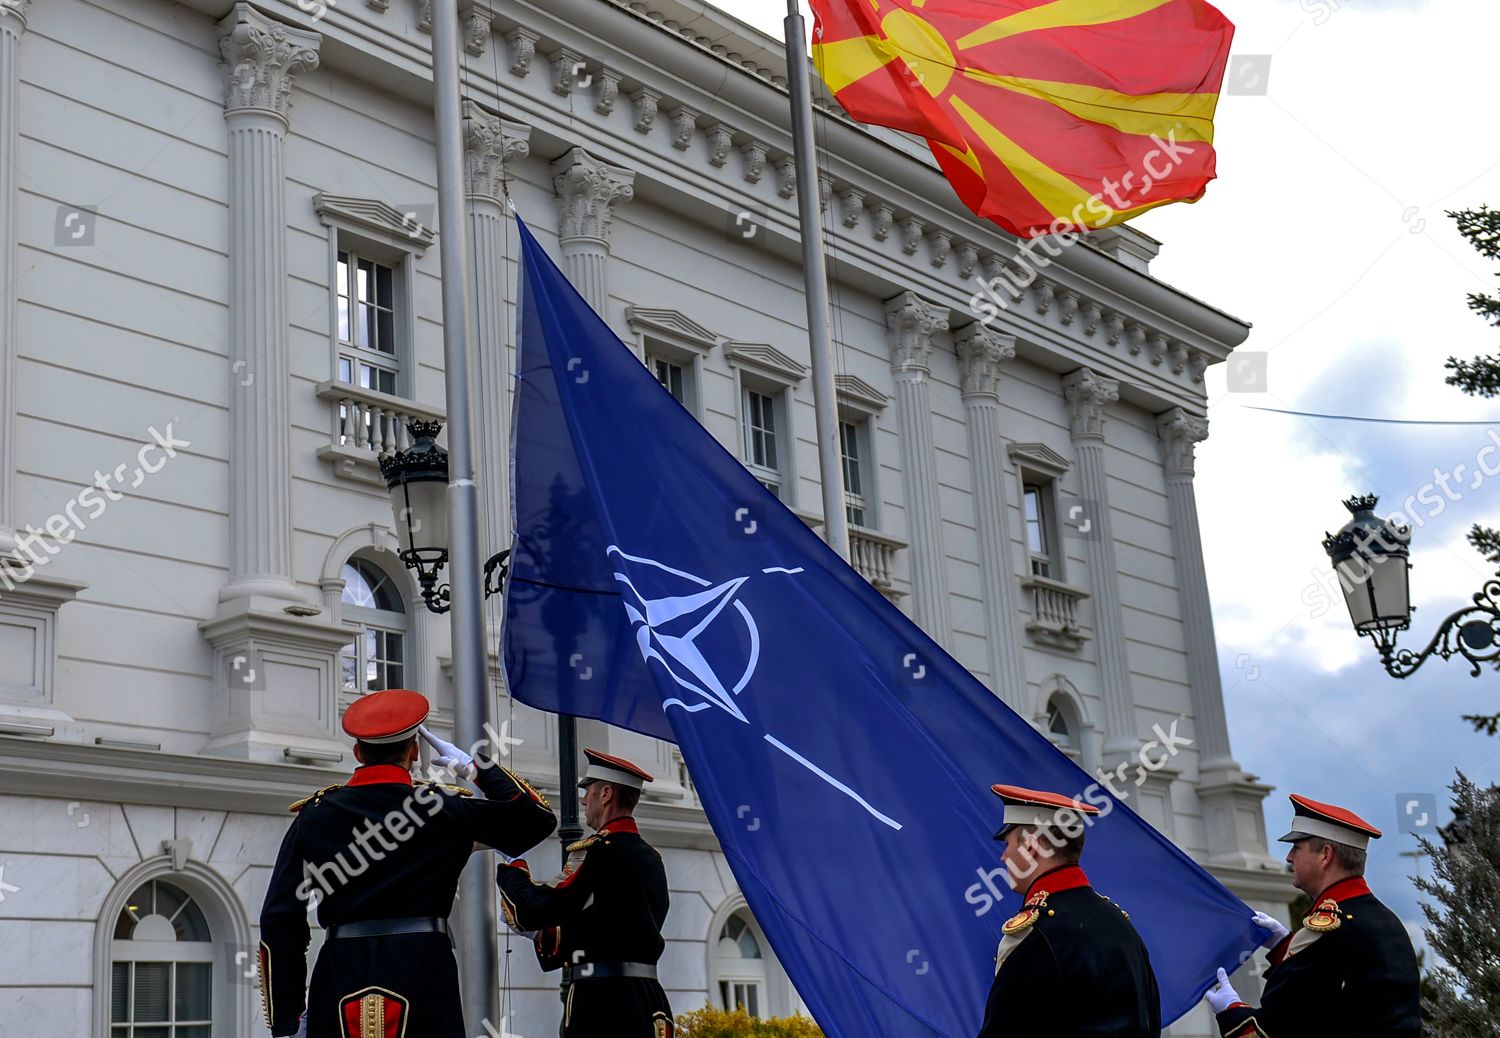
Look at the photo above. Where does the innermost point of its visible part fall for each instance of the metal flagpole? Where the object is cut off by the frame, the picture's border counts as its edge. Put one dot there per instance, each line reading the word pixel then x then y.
pixel 815 271
pixel 477 934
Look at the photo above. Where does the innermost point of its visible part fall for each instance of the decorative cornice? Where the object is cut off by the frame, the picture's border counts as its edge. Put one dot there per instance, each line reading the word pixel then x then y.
pixel 1088 395
pixel 1180 433
pixel 521 42
pixel 767 360
pixel 720 140
pixel 853 202
pixel 607 90
pixel 885 218
pixel 911 235
pixel 942 246
pixel 1040 457
pixel 567 71
pixel 1067 309
pixel 910 322
pixel 756 154
pixel 856 394
pixel 968 260
pixel 490 144
pixel 587 191
pixel 261 58
pixel 376 218
pixel 477 22
pixel 684 125
pixel 673 324
pixel 981 352
pixel 786 176
pixel 646 102
pixel 825 190
pixel 15 9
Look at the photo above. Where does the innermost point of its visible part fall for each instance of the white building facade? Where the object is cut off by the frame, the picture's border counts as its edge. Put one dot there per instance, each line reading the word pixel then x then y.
pixel 219 302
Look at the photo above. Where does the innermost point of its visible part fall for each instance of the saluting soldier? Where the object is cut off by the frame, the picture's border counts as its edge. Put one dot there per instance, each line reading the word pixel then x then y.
pixel 601 921
pixel 1070 964
pixel 1351 968
pixel 380 856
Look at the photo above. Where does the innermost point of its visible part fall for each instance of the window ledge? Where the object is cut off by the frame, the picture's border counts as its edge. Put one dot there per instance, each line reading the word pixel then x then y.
pixel 354 449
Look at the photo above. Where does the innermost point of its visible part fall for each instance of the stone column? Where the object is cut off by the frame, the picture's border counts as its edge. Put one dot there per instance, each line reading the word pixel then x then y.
pixel 981 352
pixel 492 144
pixel 1089 395
pixel 587 192
pixel 910 322
pixel 261 59
pixel 1233 807
pixel 12 26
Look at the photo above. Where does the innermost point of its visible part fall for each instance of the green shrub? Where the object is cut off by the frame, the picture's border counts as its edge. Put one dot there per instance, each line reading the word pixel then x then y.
pixel 709 1022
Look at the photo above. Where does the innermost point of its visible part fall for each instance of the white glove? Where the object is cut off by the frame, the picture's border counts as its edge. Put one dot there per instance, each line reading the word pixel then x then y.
pixel 505 859
pixel 1222 995
pixel 447 755
pixel 1277 928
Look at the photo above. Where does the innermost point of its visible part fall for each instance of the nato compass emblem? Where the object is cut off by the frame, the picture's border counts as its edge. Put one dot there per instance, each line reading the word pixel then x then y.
pixel 680 625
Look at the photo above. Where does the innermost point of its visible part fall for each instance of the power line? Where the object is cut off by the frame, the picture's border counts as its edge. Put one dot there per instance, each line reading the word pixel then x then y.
pixel 1366 418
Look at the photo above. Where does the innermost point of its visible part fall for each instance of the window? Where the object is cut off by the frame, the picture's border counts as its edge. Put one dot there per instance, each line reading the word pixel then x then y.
pixel 741 967
pixel 1059 727
pixel 671 376
pixel 372 602
pixel 762 418
pixel 161 967
pixel 1039 535
pixel 367 323
pixel 853 448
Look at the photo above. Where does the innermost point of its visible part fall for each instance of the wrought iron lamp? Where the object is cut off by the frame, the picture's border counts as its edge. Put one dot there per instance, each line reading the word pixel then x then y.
pixel 417 479
pixel 1371 556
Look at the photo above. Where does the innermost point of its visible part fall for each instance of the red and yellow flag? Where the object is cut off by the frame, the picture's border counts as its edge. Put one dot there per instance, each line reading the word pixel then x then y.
pixel 1046 115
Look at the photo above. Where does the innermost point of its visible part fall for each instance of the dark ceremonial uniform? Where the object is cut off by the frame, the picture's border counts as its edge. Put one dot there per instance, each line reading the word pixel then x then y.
pixel 1070 965
pixel 602 920
pixel 1350 970
pixel 382 858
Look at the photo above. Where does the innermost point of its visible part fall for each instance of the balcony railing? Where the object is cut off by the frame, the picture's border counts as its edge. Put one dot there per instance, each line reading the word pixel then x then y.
pixel 874 555
pixel 366 424
pixel 1054 614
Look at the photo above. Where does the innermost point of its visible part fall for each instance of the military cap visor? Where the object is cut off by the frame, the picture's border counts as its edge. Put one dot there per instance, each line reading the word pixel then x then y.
pixel 1035 807
pixel 388 716
pixel 1310 818
pixel 605 768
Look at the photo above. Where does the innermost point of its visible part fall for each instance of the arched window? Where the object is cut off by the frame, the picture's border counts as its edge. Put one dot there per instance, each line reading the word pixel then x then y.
pixel 161 966
pixel 1060 727
pixel 741 967
pixel 372 602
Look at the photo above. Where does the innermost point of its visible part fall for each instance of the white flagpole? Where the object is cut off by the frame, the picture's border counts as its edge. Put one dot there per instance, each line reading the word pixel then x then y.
pixel 477 934
pixel 815 271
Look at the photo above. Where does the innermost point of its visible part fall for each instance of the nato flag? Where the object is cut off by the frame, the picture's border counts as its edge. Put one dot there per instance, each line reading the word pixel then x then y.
pixel 843 759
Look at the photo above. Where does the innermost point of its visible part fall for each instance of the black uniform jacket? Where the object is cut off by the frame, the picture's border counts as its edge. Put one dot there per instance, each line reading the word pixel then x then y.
pixel 608 907
pixel 380 847
pixel 1071 965
pixel 1350 970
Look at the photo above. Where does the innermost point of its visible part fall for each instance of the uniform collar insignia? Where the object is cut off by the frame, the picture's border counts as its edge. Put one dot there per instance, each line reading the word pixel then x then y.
pixel 620 825
pixel 1065 877
pixel 380 774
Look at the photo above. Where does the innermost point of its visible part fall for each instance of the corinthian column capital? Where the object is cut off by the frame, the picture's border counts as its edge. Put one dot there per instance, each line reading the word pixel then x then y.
pixel 1180 432
pixel 1088 395
pixel 910 321
pixel 490 144
pixel 587 192
pixel 13 15
pixel 981 352
pixel 261 58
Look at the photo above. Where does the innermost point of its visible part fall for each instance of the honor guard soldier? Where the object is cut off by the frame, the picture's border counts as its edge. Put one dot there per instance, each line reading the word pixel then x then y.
pixel 1070 964
pixel 380 857
pixel 601 921
pixel 1351 968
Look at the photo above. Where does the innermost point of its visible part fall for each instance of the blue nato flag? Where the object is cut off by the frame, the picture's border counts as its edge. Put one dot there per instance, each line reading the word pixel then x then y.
pixel 844 760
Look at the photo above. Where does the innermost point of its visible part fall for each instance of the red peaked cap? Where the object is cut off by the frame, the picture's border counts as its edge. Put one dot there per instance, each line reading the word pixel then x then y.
pixel 1307 808
pixel 387 716
pixel 606 768
pixel 1034 806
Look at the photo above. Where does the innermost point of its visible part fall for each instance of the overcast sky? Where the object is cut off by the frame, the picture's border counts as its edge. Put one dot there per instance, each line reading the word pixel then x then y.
pixel 1326 230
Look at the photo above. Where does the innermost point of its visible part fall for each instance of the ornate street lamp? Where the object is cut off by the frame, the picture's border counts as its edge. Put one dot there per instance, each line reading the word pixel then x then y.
pixel 417 479
pixel 1371 557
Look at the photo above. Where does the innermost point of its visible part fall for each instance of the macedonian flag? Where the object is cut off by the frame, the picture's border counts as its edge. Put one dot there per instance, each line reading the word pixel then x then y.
pixel 1046 115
